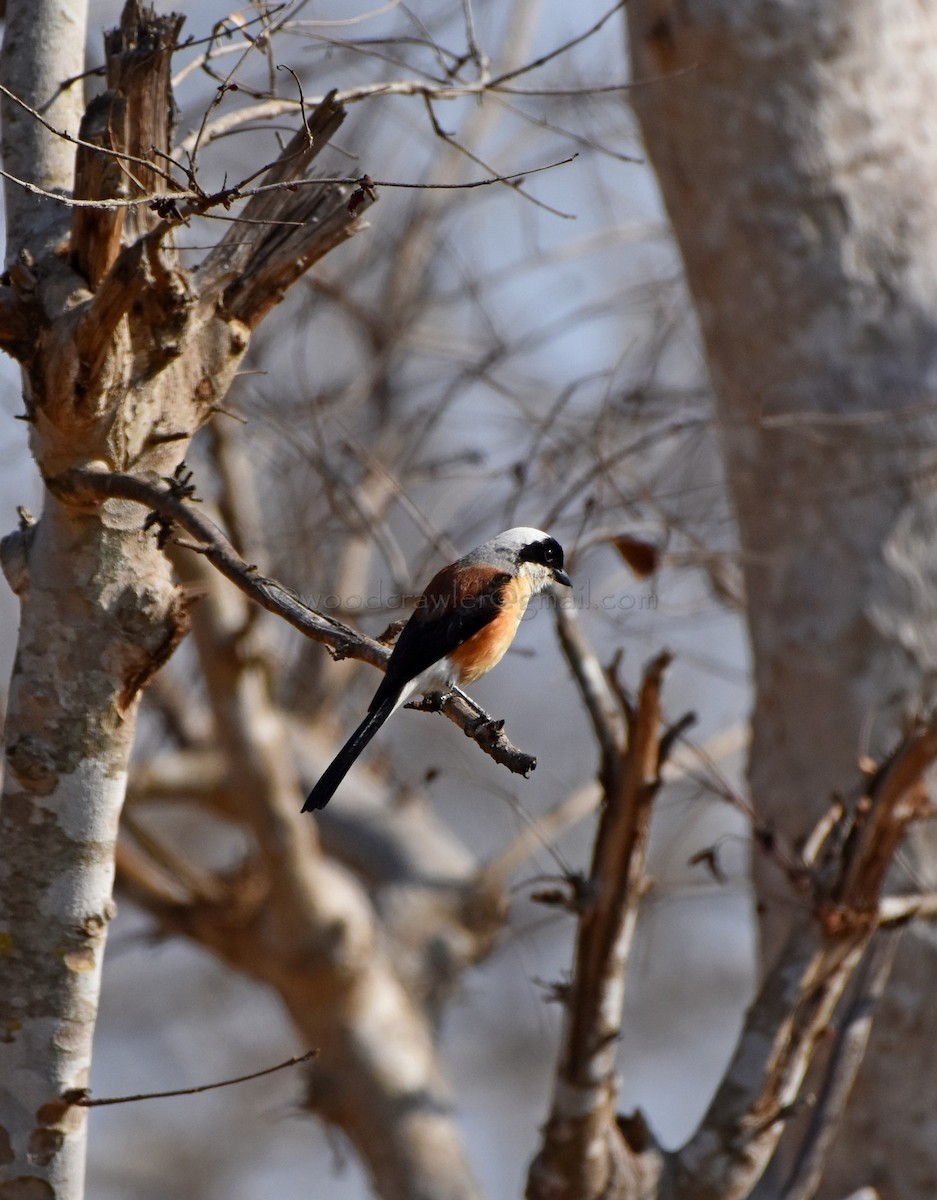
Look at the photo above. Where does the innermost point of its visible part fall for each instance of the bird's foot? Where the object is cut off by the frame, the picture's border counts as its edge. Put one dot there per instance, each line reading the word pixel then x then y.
pixel 482 715
pixel 435 702
pixel 432 702
pixel 484 722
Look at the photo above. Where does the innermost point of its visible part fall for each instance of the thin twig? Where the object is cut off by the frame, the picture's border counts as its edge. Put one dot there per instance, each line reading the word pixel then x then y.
pixel 558 50
pixel 219 95
pixel 543 830
pixel 475 52
pixel 450 140
pixel 302 101
pixel 81 1097
pixel 197 201
pixel 209 39
pixel 405 87
pixel 77 141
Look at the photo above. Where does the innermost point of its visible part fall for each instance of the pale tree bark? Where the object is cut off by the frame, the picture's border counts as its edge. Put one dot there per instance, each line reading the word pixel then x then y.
pixel 125 356
pixel 30 151
pixel 64 774
pixel 795 155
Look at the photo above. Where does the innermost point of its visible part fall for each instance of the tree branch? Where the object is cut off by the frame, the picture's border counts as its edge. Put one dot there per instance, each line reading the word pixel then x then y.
pixel 87 487
pixel 795 1004
pixel 290 227
pixel 586 1153
pixel 302 924
pixel 852 1037
pixel 83 1098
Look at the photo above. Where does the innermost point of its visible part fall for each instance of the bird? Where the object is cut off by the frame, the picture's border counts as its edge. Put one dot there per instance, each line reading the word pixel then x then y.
pixel 461 627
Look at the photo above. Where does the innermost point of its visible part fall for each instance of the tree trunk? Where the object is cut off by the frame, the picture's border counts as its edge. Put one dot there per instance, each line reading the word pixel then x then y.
pixel 795 156
pixel 87 623
pixel 59 813
pixel 106 380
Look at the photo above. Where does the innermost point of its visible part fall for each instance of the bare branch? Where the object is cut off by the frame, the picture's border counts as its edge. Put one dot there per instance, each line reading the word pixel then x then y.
pixel 95 147
pixel 561 49
pixel 86 486
pixel 604 711
pixel 586 1154
pixel 189 203
pixel 428 91
pixel 896 910
pixel 293 227
pixel 855 1027
pixel 304 925
pixel 798 997
pixel 456 145
pixel 83 1098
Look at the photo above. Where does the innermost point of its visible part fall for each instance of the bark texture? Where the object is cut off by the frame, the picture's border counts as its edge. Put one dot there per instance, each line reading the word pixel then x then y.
pixel 794 149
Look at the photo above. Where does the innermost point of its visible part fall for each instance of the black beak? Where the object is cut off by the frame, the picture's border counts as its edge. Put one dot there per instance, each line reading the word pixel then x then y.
pixel 561 577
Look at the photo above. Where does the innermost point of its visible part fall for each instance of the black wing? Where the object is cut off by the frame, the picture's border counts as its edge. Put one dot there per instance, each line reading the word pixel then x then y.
pixel 442 622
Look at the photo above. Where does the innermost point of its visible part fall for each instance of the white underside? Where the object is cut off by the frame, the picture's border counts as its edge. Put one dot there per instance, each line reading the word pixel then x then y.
pixel 437 678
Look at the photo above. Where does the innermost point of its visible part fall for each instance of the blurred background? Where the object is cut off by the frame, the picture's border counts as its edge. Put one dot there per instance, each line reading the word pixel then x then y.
pixel 476 359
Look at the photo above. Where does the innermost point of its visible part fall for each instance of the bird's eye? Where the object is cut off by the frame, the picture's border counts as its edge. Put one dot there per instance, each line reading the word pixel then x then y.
pixel 548 553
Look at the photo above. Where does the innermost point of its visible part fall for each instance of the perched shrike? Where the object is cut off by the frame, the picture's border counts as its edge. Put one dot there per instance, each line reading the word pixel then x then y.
pixel 462 626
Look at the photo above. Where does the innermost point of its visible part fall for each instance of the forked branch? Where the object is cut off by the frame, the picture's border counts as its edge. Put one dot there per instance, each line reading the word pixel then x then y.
pixel 590 1152
pixel 795 1005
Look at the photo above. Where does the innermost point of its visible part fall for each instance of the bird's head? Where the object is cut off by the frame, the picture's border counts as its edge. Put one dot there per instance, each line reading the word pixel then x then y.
pixel 530 552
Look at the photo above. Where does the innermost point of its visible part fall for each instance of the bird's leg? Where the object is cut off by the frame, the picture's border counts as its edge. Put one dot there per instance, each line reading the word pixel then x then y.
pixel 431 702
pixel 436 702
pixel 484 720
pixel 457 691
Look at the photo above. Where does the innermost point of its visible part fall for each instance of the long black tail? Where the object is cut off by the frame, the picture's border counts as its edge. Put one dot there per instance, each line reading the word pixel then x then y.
pixel 341 764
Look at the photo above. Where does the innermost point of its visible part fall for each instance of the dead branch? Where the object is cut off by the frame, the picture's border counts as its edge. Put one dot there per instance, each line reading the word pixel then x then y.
pixel 290 228
pixel 83 1098
pixel 138 55
pixel 86 487
pixel 586 1151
